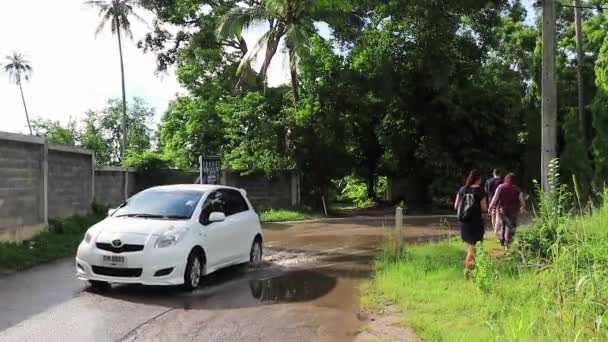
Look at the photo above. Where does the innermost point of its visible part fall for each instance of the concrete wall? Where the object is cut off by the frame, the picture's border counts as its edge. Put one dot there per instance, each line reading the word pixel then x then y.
pixel 279 191
pixel 108 185
pixel 70 181
pixel 40 180
pixel 21 183
pixel 146 180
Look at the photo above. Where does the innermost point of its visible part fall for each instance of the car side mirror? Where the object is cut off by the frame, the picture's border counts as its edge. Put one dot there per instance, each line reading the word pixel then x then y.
pixel 216 216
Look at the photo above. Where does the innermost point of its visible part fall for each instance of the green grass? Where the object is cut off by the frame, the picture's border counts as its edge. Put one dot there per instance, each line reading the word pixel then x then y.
pixel 61 240
pixel 282 215
pixel 552 287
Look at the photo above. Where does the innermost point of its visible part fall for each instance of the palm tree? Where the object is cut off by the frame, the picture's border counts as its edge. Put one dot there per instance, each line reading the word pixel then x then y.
pixel 18 68
pixel 117 12
pixel 291 20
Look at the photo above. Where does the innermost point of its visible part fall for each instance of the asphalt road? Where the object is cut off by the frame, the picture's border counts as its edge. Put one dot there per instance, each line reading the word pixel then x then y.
pixel 307 290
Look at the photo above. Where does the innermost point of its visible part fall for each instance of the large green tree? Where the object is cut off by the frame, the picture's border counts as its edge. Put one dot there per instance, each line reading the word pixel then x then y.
pixel 55 132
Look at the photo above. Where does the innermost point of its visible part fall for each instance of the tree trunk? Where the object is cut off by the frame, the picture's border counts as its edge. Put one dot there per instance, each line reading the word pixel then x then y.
pixel 27 116
pixel 124 98
pixel 371 187
pixel 124 114
pixel 580 61
pixel 549 92
pixel 294 81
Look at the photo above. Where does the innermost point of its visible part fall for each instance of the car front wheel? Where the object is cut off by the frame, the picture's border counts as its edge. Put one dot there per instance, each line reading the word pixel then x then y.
pixel 194 271
pixel 255 256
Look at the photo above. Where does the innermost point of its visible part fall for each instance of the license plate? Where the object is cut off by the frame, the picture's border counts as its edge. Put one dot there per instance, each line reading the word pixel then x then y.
pixel 114 260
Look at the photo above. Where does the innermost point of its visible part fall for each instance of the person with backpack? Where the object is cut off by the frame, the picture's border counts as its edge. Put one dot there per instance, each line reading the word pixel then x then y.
pixel 491 186
pixel 508 201
pixel 471 202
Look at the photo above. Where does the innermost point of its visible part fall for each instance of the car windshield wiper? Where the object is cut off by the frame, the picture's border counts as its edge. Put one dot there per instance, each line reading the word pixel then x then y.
pixel 143 216
pixel 177 217
pixel 154 216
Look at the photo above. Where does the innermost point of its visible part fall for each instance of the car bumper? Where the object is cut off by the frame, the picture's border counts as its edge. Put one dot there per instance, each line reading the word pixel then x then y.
pixel 89 260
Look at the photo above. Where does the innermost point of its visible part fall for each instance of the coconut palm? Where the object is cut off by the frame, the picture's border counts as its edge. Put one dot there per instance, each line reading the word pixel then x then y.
pixel 291 20
pixel 18 69
pixel 117 13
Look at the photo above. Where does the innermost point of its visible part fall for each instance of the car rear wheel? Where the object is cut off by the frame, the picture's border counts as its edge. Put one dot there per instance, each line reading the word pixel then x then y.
pixel 99 285
pixel 255 256
pixel 194 271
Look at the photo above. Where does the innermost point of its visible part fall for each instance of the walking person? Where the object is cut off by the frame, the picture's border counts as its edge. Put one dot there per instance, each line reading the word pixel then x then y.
pixel 508 202
pixel 490 187
pixel 471 202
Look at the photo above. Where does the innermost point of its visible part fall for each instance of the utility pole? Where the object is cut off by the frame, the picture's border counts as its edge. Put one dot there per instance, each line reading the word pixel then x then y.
pixel 549 93
pixel 580 61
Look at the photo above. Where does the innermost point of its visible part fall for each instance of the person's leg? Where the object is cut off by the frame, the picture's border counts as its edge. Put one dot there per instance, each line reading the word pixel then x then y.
pixel 510 230
pixel 469 261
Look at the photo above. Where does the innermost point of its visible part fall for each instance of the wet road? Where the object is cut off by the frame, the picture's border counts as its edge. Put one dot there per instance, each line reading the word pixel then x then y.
pixel 307 290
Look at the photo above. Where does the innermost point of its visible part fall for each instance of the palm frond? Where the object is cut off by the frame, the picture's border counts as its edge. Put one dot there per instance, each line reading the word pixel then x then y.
pixel 253 52
pixel 125 25
pixel 17 66
pixel 240 19
pixel 117 12
pixel 138 18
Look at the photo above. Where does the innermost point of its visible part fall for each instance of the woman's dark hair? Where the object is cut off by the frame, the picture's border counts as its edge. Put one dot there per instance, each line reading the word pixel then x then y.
pixel 510 179
pixel 474 176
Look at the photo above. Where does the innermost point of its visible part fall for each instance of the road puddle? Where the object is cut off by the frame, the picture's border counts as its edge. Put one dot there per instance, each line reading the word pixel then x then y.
pixel 296 286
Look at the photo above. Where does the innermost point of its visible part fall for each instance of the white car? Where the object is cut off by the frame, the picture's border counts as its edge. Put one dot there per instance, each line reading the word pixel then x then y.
pixel 171 235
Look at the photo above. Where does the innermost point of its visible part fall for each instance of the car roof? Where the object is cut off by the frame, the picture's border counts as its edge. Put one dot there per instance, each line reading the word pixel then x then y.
pixel 193 187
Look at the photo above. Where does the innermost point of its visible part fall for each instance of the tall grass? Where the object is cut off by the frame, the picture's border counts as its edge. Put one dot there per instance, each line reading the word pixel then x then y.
pixel 553 286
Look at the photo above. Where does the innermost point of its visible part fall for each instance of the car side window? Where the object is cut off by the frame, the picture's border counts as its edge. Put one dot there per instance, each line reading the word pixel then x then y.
pixel 234 202
pixel 240 202
pixel 215 202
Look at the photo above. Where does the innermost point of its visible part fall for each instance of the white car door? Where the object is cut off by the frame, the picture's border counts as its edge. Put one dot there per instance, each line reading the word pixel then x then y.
pixel 215 235
pixel 240 232
pixel 236 218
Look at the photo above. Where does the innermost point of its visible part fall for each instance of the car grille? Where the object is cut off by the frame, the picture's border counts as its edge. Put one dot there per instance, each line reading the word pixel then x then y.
pixel 122 249
pixel 117 272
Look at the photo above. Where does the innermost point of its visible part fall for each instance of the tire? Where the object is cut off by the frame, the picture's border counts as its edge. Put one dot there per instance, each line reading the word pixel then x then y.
pixel 194 271
pixel 99 285
pixel 256 253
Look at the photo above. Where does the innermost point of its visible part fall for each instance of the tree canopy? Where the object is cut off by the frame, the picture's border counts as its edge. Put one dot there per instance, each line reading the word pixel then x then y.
pixel 421 91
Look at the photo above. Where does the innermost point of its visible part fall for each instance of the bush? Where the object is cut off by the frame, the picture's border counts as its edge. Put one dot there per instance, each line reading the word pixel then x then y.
pixel 146 161
pixel 60 240
pixel 351 189
pixel 278 215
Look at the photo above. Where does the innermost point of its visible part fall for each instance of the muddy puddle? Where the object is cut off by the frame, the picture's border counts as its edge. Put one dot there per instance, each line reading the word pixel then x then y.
pixel 297 286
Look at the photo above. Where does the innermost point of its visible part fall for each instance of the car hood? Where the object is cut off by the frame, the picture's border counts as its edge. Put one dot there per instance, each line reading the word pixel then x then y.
pixel 134 225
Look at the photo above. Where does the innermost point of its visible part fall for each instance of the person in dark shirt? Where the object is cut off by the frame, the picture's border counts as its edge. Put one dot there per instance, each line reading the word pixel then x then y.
pixel 490 187
pixel 472 229
pixel 509 201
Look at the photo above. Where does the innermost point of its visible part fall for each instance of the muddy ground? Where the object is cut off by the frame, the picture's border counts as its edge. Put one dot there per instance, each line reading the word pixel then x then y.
pixel 307 290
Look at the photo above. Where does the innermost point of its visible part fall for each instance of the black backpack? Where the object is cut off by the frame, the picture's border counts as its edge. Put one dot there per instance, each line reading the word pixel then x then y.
pixel 466 206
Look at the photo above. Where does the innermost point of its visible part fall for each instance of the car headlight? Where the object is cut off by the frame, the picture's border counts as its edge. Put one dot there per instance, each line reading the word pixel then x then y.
pixel 169 238
pixel 87 237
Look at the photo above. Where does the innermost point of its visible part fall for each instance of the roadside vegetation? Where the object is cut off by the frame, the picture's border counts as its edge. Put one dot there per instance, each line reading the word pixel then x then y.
pixel 59 241
pixel 282 215
pixel 552 286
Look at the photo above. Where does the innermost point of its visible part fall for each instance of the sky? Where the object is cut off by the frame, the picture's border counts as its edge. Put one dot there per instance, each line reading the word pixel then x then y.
pixel 74 70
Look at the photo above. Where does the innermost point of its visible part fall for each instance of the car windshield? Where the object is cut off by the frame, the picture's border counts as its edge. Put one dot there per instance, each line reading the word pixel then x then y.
pixel 159 204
